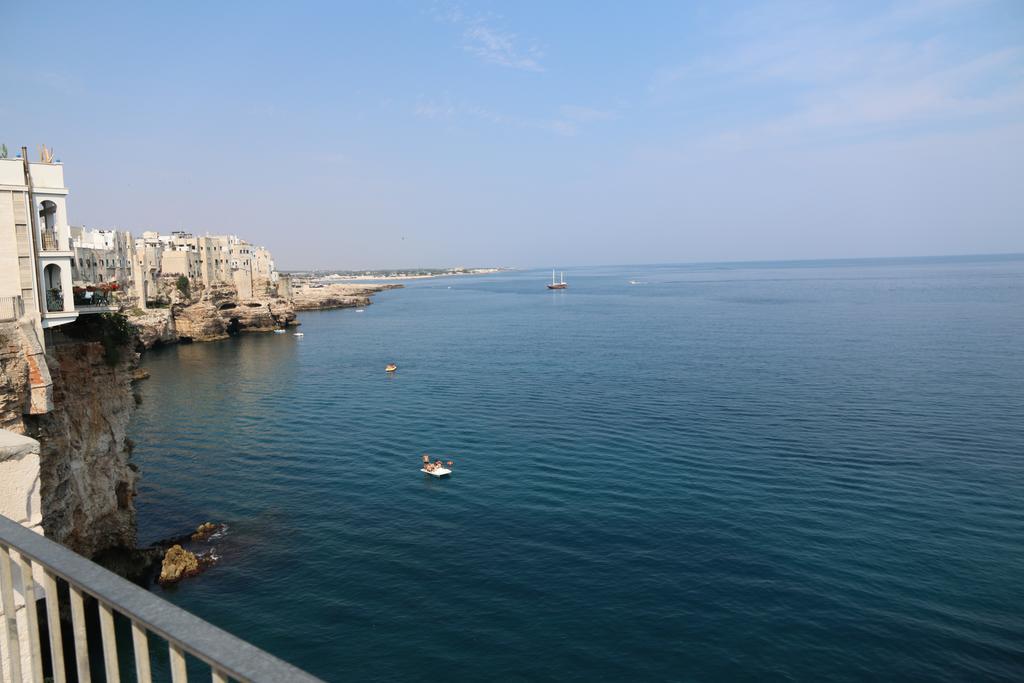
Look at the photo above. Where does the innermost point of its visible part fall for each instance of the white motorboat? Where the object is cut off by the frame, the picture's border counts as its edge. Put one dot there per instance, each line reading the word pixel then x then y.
pixel 300 334
pixel 439 472
pixel 279 331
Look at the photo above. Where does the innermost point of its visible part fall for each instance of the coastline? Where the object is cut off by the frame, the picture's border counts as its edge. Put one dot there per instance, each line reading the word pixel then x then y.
pixel 219 313
pixel 335 278
pixel 327 297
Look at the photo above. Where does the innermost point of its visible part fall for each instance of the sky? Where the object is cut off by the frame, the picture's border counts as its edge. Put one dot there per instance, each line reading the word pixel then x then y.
pixel 533 134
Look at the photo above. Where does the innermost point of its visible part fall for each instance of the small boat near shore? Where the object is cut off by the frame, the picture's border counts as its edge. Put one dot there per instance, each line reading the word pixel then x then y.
pixel 279 331
pixel 300 334
pixel 561 284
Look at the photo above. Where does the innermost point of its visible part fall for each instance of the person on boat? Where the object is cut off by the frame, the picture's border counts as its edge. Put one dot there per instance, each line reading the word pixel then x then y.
pixel 427 464
pixel 438 465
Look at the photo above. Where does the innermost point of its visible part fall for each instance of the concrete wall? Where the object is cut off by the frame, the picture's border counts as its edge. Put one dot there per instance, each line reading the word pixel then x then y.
pixel 174 262
pixel 12 172
pixel 19 480
pixel 46 176
pixel 10 279
pixel 19 501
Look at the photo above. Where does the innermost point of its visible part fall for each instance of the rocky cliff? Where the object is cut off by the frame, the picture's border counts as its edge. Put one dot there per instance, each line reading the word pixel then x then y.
pixel 155 327
pixel 14 387
pixel 87 478
pixel 212 313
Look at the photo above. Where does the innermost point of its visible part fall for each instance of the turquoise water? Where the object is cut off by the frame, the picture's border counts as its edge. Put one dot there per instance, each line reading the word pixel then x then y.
pixel 728 472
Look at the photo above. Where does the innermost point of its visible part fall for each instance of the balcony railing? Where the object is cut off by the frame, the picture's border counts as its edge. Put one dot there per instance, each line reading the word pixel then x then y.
pixel 54 300
pixel 97 298
pixel 11 308
pixel 51 241
pixel 226 656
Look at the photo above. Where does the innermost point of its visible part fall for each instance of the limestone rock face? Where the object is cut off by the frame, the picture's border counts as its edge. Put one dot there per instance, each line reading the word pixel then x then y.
pixel 200 321
pixel 210 313
pixel 178 563
pixel 87 479
pixel 256 315
pixel 14 384
pixel 156 327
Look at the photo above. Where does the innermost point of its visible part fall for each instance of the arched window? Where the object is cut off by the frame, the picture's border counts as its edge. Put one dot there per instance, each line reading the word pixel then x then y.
pixel 48 215
pixel 48 226
pixel 54 291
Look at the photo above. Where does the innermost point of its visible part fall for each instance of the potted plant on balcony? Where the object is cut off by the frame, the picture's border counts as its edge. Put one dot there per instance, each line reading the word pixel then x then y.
pixel 54 300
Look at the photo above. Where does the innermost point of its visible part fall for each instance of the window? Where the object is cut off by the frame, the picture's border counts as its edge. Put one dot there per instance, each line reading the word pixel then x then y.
pixel 48 214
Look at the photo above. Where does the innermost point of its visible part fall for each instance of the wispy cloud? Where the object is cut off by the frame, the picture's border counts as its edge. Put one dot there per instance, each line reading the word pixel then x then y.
pixel 820 72
pixel 487 40
pixel 497 47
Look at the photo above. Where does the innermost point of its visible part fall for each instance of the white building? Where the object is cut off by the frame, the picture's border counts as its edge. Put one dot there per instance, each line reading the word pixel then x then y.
pixel 36 279
pixel 102 257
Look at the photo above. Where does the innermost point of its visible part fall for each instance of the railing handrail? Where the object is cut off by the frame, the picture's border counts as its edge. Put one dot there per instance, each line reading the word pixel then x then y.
pixel 54 300
pixel 216 647
pixel 50 239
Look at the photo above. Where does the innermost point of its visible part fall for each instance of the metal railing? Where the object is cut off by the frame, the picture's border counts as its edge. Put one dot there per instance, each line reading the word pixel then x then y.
pixel 51 241
pixel 11 308
pixel 97 298
pixel 227 656
pixel 54 300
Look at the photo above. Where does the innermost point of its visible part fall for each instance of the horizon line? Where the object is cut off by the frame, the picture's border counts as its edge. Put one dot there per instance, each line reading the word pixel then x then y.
pixel 674 263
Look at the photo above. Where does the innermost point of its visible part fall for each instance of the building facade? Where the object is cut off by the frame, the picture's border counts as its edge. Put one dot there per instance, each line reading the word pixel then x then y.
pixel 46 265
pixel 35 244
pixel 206 260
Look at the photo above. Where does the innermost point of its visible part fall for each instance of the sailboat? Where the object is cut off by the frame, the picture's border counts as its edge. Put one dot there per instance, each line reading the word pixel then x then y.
pixel 561 284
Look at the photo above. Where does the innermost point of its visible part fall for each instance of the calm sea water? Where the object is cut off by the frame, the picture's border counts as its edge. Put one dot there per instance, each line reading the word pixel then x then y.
pixel 797 471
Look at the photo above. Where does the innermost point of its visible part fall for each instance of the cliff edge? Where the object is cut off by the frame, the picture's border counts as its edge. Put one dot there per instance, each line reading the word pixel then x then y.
pixel 87 482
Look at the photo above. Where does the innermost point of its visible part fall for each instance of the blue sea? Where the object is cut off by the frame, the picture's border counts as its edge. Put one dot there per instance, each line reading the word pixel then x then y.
pixel 760 471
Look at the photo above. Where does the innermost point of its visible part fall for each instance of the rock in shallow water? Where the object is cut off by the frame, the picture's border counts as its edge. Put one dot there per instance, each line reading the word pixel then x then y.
pixel 205 530
pixel 178 563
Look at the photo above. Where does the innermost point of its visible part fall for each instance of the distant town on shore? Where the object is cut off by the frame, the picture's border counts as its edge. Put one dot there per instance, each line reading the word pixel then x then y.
pixel 329 276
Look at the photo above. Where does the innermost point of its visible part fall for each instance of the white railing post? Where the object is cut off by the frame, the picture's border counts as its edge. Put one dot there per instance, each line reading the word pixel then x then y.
pixel 28 590
pixel 10 615
pixel 178 672
pixel 81 637
pixel 109 643
pixel 53 626
pixel 140 643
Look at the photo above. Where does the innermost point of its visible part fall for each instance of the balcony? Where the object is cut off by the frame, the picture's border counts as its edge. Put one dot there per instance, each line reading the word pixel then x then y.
pixel 51 241
pixel 96 299
pixel 91 589
pixel 54 300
